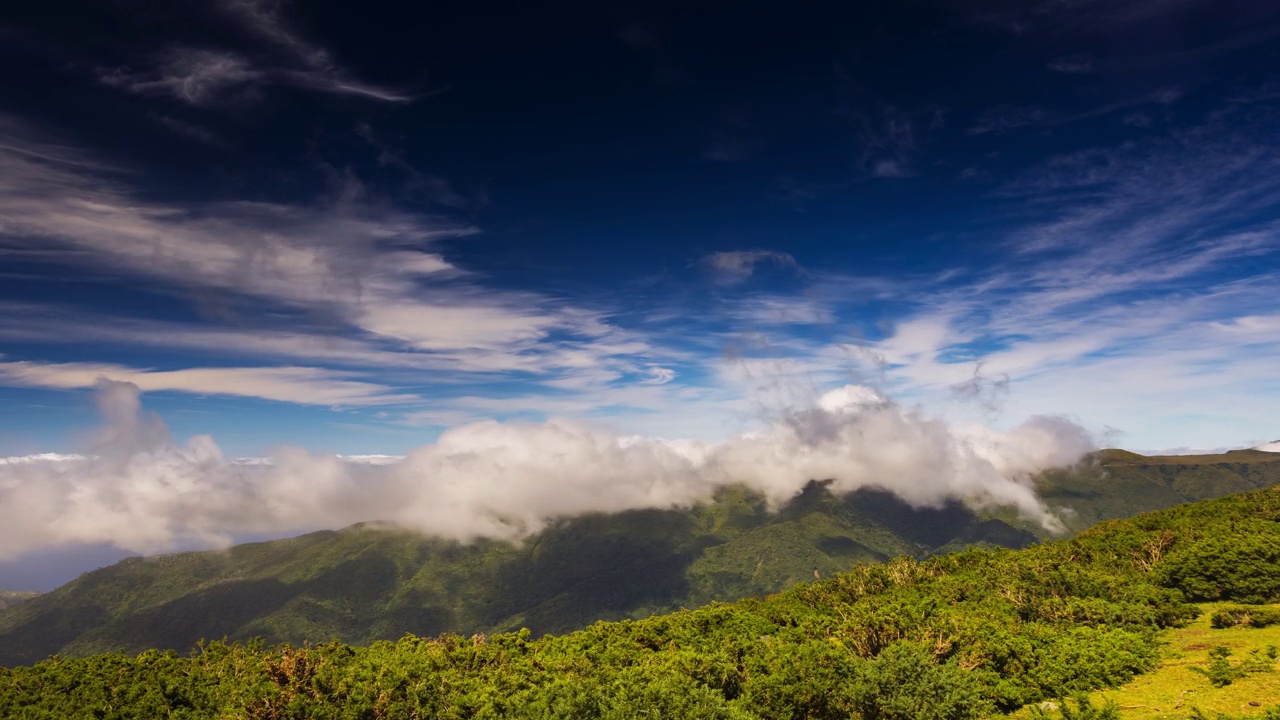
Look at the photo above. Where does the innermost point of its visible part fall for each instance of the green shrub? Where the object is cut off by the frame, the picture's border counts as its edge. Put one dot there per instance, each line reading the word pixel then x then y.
pixel 1242 565
pixel 1084 709
pixel 1256 617
pixel 1221 672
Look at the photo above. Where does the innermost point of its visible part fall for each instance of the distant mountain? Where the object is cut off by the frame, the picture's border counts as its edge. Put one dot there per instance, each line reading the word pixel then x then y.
pixel 1115 484
pixel 369 582
pixel 9 598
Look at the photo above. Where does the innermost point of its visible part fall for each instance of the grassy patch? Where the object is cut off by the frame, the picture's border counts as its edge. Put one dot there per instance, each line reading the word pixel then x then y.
pixel 1174 689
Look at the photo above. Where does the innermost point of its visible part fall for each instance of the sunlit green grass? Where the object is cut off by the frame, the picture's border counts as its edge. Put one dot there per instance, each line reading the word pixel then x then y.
pixel 1173 689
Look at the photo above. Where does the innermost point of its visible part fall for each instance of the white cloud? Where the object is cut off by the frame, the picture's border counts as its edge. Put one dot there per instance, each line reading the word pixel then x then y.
pixel 140 491
pixel 302 385
pixel 781 310
pixel 41 458
pixel 661 375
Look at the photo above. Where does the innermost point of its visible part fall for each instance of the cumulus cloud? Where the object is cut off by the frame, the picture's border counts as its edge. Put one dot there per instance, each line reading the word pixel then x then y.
pixel 139 490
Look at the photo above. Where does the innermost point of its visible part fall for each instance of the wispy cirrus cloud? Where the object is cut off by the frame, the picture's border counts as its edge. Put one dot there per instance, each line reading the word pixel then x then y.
pixel 204 76
pixel 193 75
pixel 782 310
pixel 1150 280
pixel 315 67
pixel 1072 64
pixel 300 385
pixel 890 142
pixel 1131 285
pixel 734 266
pixel 1005 118
pixel 355 283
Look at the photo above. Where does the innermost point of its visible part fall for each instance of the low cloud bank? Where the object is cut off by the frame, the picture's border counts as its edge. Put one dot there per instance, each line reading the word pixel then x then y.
pixel 139 490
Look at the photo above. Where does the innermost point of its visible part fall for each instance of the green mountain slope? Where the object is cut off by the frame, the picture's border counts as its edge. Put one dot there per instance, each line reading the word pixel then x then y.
pixel 366 582
pixel 956 637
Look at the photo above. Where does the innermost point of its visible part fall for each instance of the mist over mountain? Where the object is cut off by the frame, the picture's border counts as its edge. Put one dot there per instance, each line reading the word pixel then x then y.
pixel 378 581
pixel 139 490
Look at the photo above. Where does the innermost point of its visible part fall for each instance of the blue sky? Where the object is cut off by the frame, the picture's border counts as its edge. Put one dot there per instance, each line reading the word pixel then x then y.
pixel 350 227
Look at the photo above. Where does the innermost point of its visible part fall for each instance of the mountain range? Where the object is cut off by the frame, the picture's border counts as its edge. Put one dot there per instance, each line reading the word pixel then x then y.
pixel 369 581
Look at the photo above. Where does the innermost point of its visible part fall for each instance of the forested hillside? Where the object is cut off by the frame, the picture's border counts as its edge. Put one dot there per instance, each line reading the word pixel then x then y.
pixel 953 636
pixel 368 583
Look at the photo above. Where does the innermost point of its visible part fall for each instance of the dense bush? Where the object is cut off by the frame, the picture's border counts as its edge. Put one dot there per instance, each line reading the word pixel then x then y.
pixel 954 637
pixel 1256 617
pixel 1243 565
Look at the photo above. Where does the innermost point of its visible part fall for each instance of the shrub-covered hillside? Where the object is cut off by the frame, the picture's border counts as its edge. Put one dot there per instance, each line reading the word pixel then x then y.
pixel 953 636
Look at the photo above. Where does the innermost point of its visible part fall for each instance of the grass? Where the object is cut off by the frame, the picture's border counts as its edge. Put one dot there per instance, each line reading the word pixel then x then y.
pixel 1173 689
